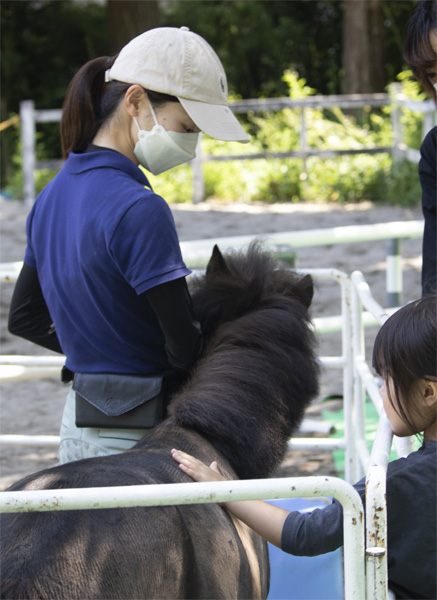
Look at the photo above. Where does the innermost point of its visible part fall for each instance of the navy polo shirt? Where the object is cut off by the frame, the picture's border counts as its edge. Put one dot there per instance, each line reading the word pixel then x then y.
pixel 98 239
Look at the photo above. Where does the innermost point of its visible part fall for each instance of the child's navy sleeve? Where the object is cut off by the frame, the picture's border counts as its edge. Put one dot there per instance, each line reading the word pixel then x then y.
pixel 313 533
pixel 319 531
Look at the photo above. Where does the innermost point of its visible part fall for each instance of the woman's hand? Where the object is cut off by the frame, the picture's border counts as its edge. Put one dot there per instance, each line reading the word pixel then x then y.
pixel 195 468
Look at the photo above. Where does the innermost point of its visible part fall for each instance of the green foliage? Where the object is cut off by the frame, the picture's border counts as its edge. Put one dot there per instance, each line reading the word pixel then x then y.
pixel 402 184
pixel 411 121
pixel 257 40
pixel 174 186
pixel 346 178
pixel 43 44
pixel 14 186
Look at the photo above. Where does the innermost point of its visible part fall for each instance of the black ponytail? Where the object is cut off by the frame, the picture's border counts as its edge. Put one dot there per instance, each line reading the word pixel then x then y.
pixel 88 103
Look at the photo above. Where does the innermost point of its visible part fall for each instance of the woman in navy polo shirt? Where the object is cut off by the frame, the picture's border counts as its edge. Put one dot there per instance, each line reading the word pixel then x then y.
pixel 103 279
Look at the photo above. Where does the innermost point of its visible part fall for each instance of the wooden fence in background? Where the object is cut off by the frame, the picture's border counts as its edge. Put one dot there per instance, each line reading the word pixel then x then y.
pixel 30 116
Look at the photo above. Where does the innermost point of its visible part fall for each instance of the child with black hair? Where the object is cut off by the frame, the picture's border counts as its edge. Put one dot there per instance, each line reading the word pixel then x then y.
pixel 405 356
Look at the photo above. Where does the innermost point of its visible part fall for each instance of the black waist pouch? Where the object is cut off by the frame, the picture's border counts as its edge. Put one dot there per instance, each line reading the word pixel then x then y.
pixel 107 400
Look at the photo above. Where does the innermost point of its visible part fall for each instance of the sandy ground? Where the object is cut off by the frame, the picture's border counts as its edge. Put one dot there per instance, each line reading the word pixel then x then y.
pixel 35 407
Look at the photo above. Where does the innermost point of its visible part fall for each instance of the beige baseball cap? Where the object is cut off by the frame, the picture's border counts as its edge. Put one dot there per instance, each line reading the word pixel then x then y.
pixel 181 63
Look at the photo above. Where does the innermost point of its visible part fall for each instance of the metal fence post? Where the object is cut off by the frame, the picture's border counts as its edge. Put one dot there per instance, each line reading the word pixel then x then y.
pixel 376 513
pixel 358 347
pixel 396 124
pixel 348 384
pixel 303 143
pixel 394 273
pixel 28 131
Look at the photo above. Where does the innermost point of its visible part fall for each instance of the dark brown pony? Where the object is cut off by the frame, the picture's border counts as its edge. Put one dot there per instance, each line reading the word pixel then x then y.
pixel 246 395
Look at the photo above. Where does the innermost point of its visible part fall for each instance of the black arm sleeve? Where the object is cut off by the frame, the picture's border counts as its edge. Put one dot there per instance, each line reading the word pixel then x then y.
pixel 428 181
pixel 171 303
pixel 29 316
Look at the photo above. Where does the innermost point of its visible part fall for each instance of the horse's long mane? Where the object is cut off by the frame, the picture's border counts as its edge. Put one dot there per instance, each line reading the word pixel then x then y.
pixel 258 371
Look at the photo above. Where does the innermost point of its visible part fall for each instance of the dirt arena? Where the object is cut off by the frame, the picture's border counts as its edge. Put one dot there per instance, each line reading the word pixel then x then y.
pixel 35 407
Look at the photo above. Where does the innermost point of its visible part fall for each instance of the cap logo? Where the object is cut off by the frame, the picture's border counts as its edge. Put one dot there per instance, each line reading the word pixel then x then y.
pixel 222 85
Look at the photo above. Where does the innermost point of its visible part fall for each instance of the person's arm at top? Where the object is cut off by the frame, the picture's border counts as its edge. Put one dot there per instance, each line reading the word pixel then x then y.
pixel 171 303
pixel 29 316
pixel 428 182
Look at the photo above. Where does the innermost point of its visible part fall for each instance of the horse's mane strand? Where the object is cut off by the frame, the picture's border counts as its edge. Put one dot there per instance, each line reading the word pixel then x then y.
pixel 258 371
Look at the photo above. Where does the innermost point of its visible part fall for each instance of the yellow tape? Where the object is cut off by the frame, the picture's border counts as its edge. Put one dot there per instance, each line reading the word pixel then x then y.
pixel 12 121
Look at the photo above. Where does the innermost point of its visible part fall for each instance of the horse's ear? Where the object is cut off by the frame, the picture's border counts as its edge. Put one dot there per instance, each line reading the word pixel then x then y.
pixel 306 290
pixel 217 263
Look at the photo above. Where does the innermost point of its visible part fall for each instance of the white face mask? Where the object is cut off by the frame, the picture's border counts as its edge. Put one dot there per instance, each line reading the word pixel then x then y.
pixel 160 150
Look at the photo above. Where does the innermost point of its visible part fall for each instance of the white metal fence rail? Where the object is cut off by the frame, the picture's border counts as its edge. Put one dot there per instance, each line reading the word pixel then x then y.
pixel 375 464
pixel 196 253
pixel 195 493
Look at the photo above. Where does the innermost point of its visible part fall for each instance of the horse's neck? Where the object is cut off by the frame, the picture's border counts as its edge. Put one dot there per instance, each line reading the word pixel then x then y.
pixel 168 435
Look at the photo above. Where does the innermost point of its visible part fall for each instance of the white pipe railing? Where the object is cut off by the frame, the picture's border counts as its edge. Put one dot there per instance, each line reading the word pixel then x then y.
pixel 376 513
pixel 12 439
pixel 197 253
pixel 221 491
pixel 362 297
pixel 374 465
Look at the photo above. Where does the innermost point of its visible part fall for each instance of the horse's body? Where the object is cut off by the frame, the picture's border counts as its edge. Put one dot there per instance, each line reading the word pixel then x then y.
pixel 239 407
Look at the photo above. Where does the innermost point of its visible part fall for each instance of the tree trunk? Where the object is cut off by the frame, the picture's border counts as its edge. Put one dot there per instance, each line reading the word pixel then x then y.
pixel 363 45
pixel 377 46
pixel 129 18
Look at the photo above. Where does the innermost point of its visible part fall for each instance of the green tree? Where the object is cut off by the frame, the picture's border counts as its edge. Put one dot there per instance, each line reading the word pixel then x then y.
pixel 42 45
pixel 129 18
pixel 44 42
pixel 258 40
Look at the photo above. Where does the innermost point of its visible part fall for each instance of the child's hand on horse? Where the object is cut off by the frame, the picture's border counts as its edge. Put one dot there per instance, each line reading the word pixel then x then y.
pixel 195 468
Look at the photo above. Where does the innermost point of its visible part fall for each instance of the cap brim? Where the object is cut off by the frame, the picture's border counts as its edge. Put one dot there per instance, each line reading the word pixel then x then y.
pixel 216 120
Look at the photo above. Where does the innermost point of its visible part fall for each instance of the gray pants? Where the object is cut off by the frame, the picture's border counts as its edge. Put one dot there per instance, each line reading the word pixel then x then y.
pixel 87 442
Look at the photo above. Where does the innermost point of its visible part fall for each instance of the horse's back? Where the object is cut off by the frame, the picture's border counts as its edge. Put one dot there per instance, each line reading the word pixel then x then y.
pixel 149 552
pixel 187 551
